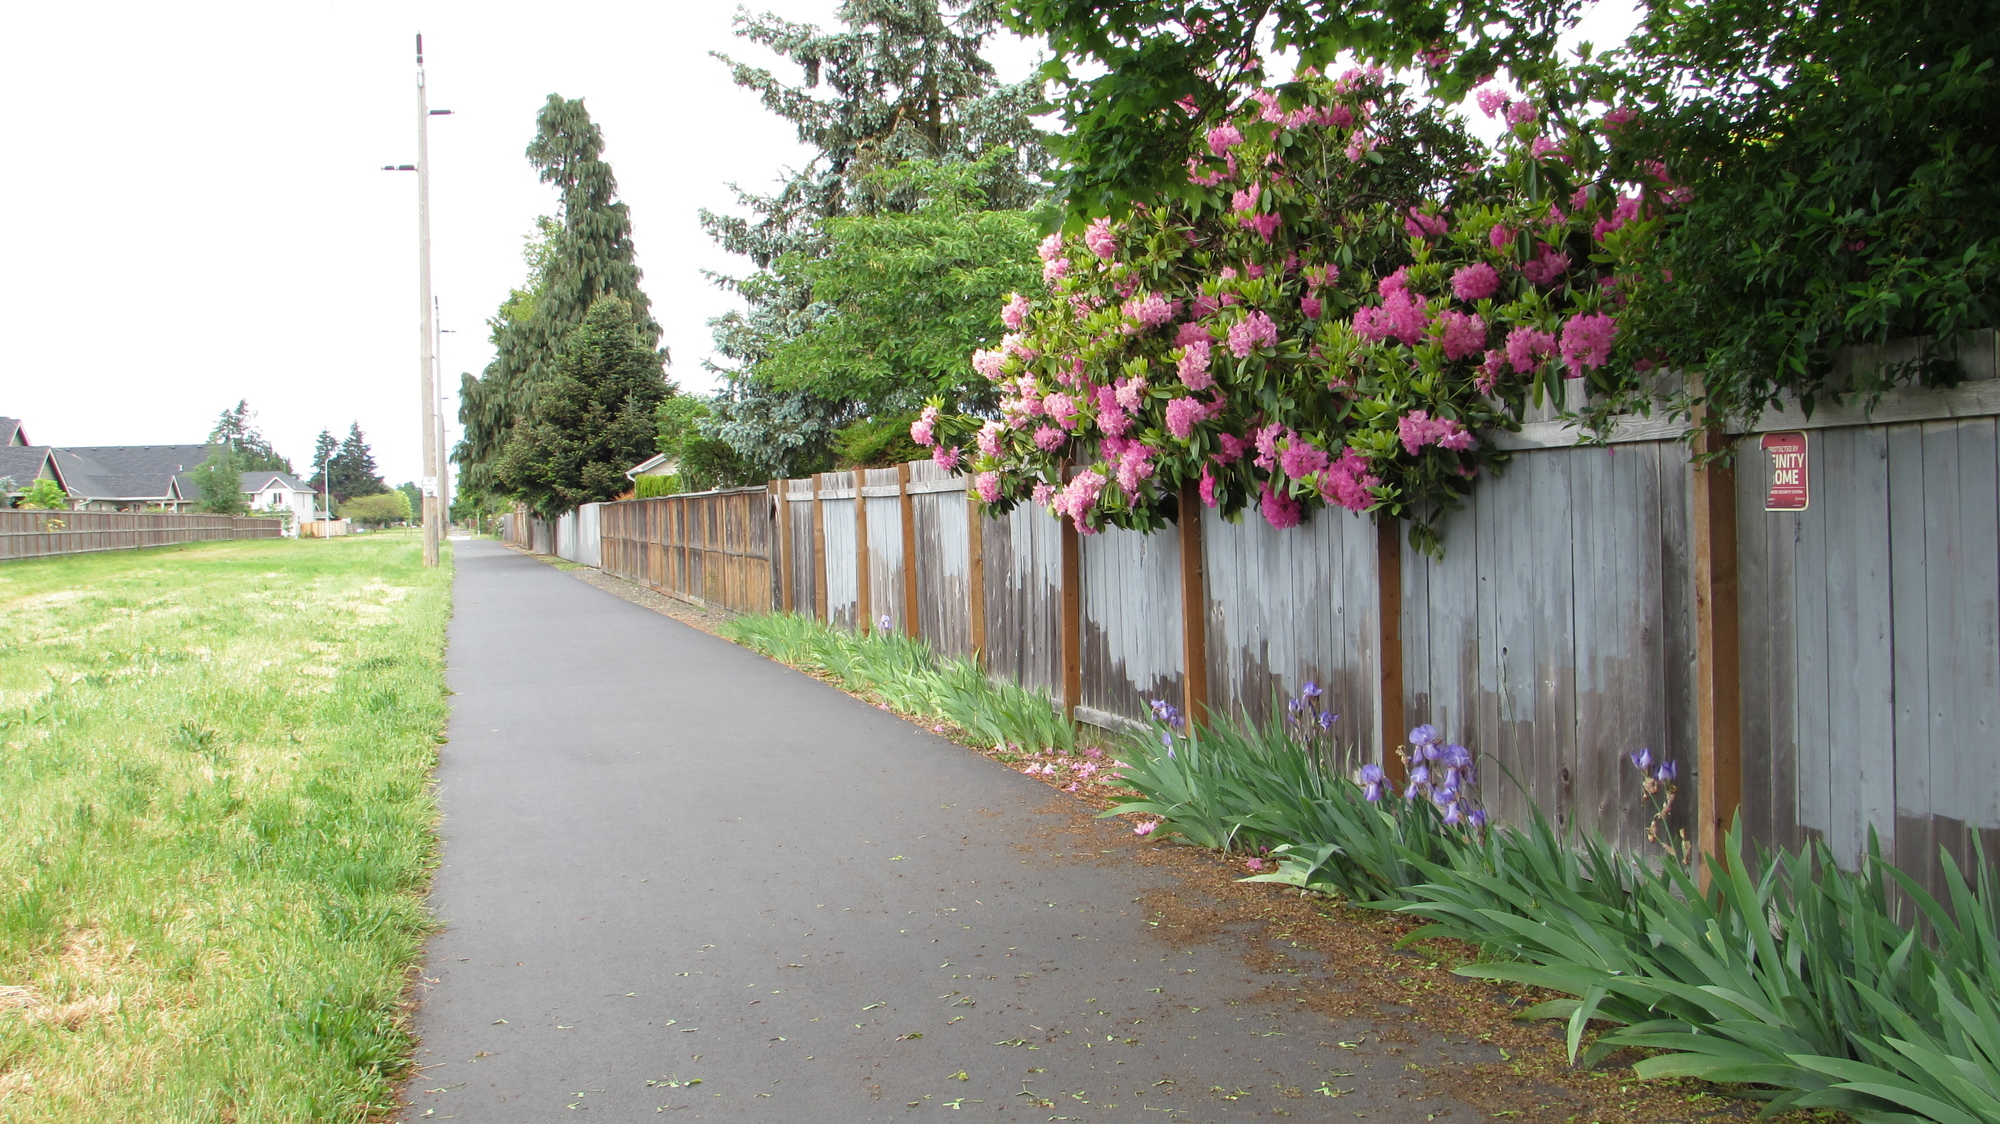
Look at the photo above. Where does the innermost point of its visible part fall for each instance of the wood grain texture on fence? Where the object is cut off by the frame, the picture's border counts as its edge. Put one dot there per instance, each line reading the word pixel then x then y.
pixel 26 533
pixel 1130 622
pixel 940 547
pixel 715 549
pixel 1022 554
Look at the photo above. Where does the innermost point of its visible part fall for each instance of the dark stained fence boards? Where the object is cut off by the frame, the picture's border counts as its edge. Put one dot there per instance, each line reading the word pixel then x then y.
pixel 715 549
pixel 34 534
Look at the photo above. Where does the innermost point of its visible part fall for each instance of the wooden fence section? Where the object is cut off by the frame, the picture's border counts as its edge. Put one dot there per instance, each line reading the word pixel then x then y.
pixel 711 548
pixel 34 534
pixel 1827 671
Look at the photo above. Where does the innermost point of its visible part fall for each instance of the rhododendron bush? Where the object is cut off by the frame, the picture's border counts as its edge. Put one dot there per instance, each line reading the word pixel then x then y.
pixel 1344 301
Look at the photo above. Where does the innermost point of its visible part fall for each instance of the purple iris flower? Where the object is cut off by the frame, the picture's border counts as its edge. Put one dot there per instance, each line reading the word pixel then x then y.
pixel 1326 721
pixel 1373 781
pixel 1421 775
pixel 1642 760
pixel 1453 813
pixel 1456 756
pixel 1668 771
pixel 1476 817
pixel 1310 690
pixel 1423 735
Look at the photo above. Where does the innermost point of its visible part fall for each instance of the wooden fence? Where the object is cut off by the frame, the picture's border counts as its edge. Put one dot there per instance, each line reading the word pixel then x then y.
pixel 33 534
pixel 1826 671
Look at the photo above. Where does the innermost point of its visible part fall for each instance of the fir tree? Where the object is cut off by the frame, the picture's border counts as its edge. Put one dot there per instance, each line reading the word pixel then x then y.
pixel 353 468
pixel 236 430
pixel 902 80
pixel 220 482
pixel 592 420
pixel 325 448
pixel 585 255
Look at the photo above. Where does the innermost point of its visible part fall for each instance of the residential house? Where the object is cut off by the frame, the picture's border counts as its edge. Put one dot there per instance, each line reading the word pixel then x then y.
pixel 280 491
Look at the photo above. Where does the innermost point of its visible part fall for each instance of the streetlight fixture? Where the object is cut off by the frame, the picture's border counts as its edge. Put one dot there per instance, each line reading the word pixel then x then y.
pixel 427 346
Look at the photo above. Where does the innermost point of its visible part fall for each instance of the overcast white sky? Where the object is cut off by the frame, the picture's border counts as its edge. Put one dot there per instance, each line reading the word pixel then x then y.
pixel 200 214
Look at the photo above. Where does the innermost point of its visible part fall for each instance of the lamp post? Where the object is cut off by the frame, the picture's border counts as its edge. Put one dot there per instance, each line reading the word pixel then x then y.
pixel 427 358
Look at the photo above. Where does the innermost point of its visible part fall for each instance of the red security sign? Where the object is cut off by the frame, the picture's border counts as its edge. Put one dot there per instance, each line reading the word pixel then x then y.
pixel 1790 484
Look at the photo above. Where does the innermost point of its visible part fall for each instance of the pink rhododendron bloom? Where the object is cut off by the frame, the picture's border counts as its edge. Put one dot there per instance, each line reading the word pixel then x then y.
pixel 1013 344
pixel 1416 429
pixel 1489 371
pixel 944 458
pixel 1099 239
pixel 1311 307
pixel 1499 237
pixel 1265 224
pixel 1048 438
pixel 1267 440
pixel 1421 225
pixel 988 363
pixel 1079 497
pixel 1586 341
pixel 1191 332
pixel 923 430
pixel 1462 335
pixel 1453 436
pixel 1222 138
pixel 1151 310
pixel 1542 146
pixel 1280 510
pixel 989 438
pixel 1337 115
pixel 1253 331
pixel 1618 118
pixel 1318 275
pixel 1252 270
pixel 1370 323
pixel 1207 488
pixel 1054 271
pixel 1269 101
pixel 1521 112
pixel 1396 282
pixel 1492 100
pixel 987 484
pixel 1016 312
pixel 1189 105
pixel 1131 392
pixel 1200 178
pixel 1061 409
pixel 1233 448
pixel 1548 267
pixel 1193 366
pixel 1526 346
pixel 1407 316
pixel 1475 282
pixel 1301 458
pixel 1182 416
pixel 1134 465
pixel 1051 248
pixel 1246 199
pixel 1357 147
pixel 1044 493
pixel 1626 210
pixel 1347 481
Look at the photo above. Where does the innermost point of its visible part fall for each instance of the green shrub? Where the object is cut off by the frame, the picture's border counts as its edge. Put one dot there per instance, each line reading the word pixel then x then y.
pixel 44 494
pixel 877 442
pixel 377 510
pixel 653 487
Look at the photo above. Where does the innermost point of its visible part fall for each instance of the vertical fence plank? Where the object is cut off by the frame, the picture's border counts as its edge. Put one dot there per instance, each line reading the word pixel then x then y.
pixel 820 607
pixel 911 602
pixel 1194 611
pixel 1389 638
pixel 781 490
pixel 975 582
pixel 864 606
pixel 1071 594
pixel 1719 720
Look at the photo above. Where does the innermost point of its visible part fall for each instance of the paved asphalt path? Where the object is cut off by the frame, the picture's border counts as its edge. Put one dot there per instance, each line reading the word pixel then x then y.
pixel 682 880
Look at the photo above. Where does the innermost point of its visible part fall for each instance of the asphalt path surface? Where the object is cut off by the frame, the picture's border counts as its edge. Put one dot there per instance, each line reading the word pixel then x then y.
pixel 680 879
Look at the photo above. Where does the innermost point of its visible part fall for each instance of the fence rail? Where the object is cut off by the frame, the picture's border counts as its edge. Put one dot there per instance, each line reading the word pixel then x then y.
pixel 710 548
pixel 35 534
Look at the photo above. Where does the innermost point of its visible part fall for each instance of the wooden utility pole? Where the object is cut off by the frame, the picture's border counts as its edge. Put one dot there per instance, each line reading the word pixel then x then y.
pixel 428 365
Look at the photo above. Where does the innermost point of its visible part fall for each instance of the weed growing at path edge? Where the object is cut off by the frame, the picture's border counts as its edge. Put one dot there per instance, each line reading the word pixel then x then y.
pixel 217 827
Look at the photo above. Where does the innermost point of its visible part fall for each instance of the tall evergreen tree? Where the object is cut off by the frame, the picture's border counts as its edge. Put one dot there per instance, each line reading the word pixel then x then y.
pixel 592 420
pixel 902 80
pixel 584 255
pixel 249 450
pixel 325 448
pixel 352 468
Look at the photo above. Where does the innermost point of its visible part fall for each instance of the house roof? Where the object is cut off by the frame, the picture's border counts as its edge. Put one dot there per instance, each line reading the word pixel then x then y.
pixel 24 463
pixel 129 472
pixel 646 467
pixel 260 479
pixel 10 432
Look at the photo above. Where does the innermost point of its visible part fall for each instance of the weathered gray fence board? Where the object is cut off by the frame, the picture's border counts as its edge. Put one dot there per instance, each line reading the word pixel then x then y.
pixel 1023 567
pixel 1861 707
pixel 1910 643
pixel 885 552
pixel 842 585
pixel 801 566
pixel 1965 633
pixel 1131 621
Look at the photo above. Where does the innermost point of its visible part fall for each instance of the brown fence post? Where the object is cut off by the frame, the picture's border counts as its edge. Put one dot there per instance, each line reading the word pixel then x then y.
pixel 910 601
pixel 783 490
pixel 1389 632
pixel 819 554
pixel 1194 612
pixel 1718 690
pixel 975 576
pixel 1072 619
pixel 864 602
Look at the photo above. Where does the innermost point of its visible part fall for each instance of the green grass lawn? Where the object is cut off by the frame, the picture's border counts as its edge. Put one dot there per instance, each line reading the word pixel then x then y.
pixel 215 827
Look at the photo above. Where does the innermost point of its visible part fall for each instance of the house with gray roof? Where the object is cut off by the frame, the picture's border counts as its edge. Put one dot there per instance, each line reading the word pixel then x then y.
pixel 130 477
pixel 10 433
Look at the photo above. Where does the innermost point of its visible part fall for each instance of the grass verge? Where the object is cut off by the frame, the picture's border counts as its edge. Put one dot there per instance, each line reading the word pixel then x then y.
pixel 218 827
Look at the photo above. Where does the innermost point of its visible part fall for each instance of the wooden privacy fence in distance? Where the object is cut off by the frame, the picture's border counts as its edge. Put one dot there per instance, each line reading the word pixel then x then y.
pixel 33 534
pixel 709 548
pixel 1826 670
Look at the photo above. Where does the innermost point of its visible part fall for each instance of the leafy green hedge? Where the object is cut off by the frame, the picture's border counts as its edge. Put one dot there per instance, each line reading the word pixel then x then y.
pixel 1786 973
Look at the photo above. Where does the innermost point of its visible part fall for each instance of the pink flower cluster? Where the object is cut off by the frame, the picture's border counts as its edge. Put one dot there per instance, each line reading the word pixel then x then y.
pixel 1347 481
pixel 1054 264
pixel 1492 100
pixel 988 363
pixel 1151 310
pixel 1526 347
pixel 1076 500
pixel 1402 316
pixel 1265 224
pixel 1015 315
pixel 1475 282
pixel 1418 429
pixel 946 459
pixel 1548 267
pixel 1586 341
pixel 1253 331
pixel 924 430
pixel 1461 334
pixel 1421 225
pixel 1521 112
pixel 988 440
pixel 1183 414
pixel 1222 138
pixel 1628 209
pixel 1280 510
pixel 1193 365
pixel 1099 239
